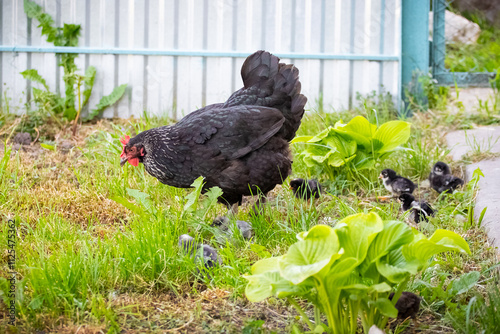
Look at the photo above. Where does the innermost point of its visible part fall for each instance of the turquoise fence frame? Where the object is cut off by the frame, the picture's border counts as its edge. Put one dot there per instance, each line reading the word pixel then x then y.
pixel 438 52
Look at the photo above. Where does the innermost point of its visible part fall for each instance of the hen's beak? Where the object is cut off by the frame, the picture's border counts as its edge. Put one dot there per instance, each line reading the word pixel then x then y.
pixel 123 161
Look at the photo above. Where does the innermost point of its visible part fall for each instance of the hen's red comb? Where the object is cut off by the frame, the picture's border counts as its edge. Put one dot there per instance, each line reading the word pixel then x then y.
pixel 124 140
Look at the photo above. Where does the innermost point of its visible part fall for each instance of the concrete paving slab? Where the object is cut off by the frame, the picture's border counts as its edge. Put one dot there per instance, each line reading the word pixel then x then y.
pixel 485 138
pixel 488 196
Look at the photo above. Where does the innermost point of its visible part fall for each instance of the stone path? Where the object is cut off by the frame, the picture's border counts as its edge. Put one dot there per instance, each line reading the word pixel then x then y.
pixel 482 139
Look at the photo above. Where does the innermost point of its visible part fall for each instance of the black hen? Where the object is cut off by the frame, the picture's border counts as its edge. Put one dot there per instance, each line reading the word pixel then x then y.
pixel 240 146
pixel 396 184
pixel 407 305
pixel 305 189
pixel 441 179
pixel 420 210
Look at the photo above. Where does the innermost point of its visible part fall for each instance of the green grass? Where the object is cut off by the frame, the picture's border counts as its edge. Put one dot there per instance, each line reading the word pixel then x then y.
pixel 483 56
pixel 85 259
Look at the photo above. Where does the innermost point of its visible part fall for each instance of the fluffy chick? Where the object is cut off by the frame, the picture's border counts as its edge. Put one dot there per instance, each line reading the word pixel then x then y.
pixel 224 224
pixel 396 184
pixel 421 210
pixel 204 253
pixel 306 189
pixel 442 180
pixel 407 305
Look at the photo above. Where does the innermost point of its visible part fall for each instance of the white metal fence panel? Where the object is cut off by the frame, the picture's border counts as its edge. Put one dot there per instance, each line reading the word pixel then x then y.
pixel 340 46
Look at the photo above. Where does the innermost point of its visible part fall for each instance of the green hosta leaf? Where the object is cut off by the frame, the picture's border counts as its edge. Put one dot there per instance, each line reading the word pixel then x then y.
pixel 359 232
pixel 345 148
pixel 394 235
pixel 323 134
pixel 359 129
pixel 380 288
pixel 423 249
pixel 265 265
pixel 266 281
pixel 108 100
pixel 445 237
pixel 385 307
pixel 33 75
pixel 391 135
pixel 307 257
pixel 337 160
pixel 394 267
pixel 464 283
pixel 301 139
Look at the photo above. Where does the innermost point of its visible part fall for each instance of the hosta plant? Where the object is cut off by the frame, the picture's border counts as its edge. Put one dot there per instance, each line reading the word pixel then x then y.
pixel 356 145
pixel 348 271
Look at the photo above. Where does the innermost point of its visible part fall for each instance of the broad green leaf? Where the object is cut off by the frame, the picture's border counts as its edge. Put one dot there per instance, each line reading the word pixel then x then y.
pixel 423 249
pixel 323 134
pixel 394 235
pixel 301 139
pixel 336 159
pixel 192 198
pixel 345 147
pixel 391 135
pixel 108 100
pixel 379 288
pixel 265 265
pixel 359 129
pixel 270 283
pixel 445 237
pixel 359 233
pixel 89 83
pixel 142 198
pixel 464 283
pixel 33 75
pixel 394 267
pixel 308 256
pixel 211 198
pixel 386 307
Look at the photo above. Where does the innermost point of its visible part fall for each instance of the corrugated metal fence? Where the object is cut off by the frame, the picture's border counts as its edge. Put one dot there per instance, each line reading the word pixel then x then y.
pixel 179 55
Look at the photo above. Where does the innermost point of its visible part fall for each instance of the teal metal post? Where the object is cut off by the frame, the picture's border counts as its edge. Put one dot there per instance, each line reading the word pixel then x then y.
pixel 415 41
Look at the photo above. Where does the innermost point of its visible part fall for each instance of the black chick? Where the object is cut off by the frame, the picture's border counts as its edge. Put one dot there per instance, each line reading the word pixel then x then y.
pixel 407 305
pixel 204 253
pixel 224 224
pixel 305 189
pixel 421 210
pixel 396 184
pixel 442 180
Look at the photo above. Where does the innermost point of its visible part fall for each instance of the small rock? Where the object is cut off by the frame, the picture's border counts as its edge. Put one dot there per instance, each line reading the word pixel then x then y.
pixel 22 138
pixel 460 218
pixel 425 184
pixel 375 330
pixel 65 146
pixel 457 28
